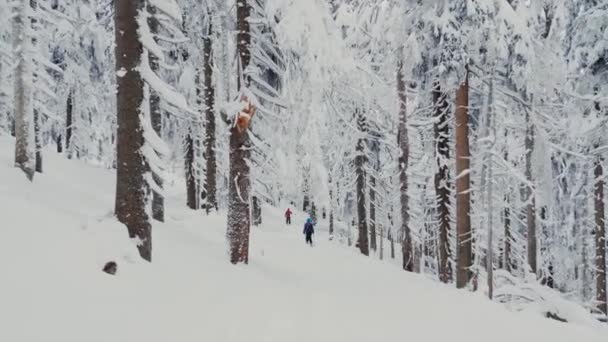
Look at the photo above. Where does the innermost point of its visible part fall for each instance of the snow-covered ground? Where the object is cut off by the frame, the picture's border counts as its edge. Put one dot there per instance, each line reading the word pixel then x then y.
pixel 56 234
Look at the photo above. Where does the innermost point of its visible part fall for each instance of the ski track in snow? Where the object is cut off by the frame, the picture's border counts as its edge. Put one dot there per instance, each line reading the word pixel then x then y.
pixel 57 233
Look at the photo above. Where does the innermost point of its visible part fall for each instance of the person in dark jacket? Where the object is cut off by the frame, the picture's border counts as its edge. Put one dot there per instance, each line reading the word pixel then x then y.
pixel 309 229
pixel 288 216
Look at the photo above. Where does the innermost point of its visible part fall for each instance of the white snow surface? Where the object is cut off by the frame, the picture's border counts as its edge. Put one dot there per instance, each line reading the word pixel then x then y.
pixel 57 233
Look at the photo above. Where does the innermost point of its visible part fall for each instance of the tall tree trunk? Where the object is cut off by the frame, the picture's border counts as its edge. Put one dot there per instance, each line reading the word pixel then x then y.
pixel 158 201
pixel 600 238
pixel 209 100
pixel 403 143
pixel 25 148
pixel 37 119
pixel 381 242
pixel 69 122
pixel 192 193
pixel 463 197
pixel 38 141
pixel 442 180
pixel 530 198
pixel 131 165
pixel 239 219
pixel 331 209
pixel 362 242
pixel 372 212
pixel 506 256
pixel 490 200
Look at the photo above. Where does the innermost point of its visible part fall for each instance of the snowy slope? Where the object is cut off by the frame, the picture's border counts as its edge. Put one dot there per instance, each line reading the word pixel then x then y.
pixel 56 234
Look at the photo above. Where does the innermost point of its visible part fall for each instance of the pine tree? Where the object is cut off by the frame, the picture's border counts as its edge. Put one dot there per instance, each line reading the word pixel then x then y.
pixel 239 218
pixel 402 139
pixel 360 161
pixel 209 105
pixel 25 148
pixel 463 197
pixel 442 180
pixel 131 164
pixel 158 201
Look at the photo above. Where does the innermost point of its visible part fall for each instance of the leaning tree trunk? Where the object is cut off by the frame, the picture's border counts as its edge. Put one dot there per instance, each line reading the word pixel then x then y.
pixel 131 166
pixel 158 201
pixel 530 198
pixel 463 184
pixel 363 241
pixel 403 143
pixel 239 218
pixel 442 180
pixel 600 238
pixel 24 104
pixel 209 101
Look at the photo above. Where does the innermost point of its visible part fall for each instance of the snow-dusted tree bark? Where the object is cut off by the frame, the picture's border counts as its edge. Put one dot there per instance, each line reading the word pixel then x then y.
pixel 372 212
pixel 23 92
pixel 131 165
pixel 37 119
pixel 239 219
pixel 442 180
pixel 404 152
pixel 530 198
pixel 256 211
pixel 600 238
pixel 69 112
pixel 331 207
pixel 463 184
pixel 192 193
pixel 360 161
pixel 209 105
pixel 158 201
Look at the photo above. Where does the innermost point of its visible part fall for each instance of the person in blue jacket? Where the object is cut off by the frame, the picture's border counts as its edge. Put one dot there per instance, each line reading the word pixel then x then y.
pixel 309 229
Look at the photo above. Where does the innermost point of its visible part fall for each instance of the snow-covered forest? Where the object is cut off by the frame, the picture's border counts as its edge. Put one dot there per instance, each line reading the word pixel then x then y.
pixel 462 140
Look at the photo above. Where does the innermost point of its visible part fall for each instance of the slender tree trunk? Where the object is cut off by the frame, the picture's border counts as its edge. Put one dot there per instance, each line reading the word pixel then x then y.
pixel 442 180
pixel 38 141
pixel 381 242
pixel 331 210
pixel 239 219
pixel 131 166
pixel 530 198
pixel 507 243
pixel 362 242
pixel 25 148
pixel 192 194
pixel 158 201
pixel 209 100
pixel 463 197
pixel 37 119
pixel 69 122
pixel 403 143
pixel 392 241
pixel 600 238
pixel 372 213
pixel 490 187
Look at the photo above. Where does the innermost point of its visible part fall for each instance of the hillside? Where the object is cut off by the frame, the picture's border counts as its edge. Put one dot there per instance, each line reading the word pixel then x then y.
pixel 57 233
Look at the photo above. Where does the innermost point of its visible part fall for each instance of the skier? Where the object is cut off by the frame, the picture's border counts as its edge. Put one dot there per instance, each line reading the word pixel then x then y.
pixel 288 216
pixel 309 229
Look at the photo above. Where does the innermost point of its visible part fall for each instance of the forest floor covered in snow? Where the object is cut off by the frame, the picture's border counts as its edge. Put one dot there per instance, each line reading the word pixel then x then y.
pixel 57 233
